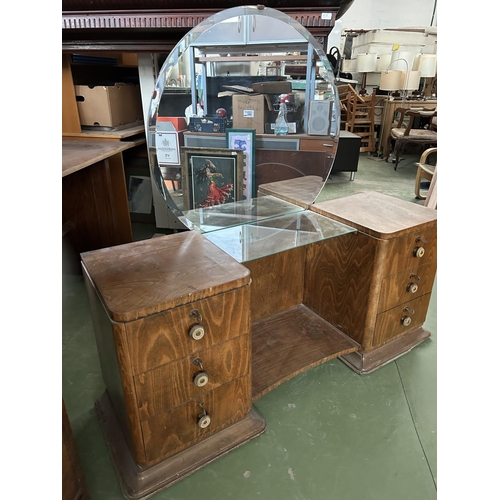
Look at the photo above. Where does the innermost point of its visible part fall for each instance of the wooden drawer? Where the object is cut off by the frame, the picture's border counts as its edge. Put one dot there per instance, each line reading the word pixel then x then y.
pixel 172 384
pixel 164 337
pixel 405 286
pixel 389 324
pixel 325 144
pixel 402 252
pixel 174 430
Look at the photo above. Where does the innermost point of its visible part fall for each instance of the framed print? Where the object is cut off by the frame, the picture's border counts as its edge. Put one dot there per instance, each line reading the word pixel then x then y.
pixel 211 176
pixel 244 139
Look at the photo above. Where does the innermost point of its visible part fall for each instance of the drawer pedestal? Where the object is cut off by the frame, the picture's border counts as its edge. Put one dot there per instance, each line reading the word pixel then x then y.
pixel 376 284
pixel 141 482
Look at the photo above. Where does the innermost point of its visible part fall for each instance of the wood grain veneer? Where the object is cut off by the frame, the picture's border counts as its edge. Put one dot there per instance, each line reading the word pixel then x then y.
pixel 360 282
pixel 291 342
pixel 164 337
pixel 172 384
pixel 341 274
pixel 150 276
pixel 174 430
pixel 377 214
pixel 277 282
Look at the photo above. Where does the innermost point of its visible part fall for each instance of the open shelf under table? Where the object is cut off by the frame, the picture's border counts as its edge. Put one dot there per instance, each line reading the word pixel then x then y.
pixel 291 342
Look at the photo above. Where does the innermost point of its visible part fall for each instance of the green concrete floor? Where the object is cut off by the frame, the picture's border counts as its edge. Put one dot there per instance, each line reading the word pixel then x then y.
pixel 331 434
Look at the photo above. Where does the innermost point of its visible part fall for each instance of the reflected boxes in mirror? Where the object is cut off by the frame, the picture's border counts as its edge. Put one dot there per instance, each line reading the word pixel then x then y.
pixel 250 111
pixel 211 176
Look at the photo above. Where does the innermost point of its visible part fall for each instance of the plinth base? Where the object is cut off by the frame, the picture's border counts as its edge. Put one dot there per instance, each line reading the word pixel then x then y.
pixel 140 483
pixel 364 362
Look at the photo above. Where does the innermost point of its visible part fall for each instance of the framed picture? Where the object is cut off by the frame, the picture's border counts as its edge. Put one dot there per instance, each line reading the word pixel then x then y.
pixel 244 139
pixel 211 176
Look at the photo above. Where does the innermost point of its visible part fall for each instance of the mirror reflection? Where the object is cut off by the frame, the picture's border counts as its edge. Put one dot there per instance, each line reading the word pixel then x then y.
pixel 244 120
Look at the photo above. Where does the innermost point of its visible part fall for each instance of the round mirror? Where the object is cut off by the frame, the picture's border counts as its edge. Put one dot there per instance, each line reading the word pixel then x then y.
pixel 255 94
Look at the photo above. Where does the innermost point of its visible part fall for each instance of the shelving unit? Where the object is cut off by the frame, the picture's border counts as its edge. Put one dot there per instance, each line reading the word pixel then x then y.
pixel 203 53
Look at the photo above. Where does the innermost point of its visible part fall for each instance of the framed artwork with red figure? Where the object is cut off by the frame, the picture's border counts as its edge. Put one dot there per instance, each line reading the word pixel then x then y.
pixel 211 176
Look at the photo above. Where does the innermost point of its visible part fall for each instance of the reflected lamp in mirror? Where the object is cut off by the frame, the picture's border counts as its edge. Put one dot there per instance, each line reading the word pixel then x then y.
pixel 365 63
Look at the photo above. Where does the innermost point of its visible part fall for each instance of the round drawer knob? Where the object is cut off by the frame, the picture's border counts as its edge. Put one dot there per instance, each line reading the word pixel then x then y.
pixel 200 379
pixel 419 251
pixel 412 288
pixel 406 320
pixel 197 332
pixel 204 421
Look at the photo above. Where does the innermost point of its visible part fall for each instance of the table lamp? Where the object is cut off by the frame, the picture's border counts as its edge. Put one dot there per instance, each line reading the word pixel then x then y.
pixel 365 63
pixel 391 81
pixel 427 65
pixel 410 80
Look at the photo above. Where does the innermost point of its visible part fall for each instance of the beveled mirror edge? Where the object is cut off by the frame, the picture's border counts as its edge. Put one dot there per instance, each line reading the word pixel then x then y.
pixel 189 40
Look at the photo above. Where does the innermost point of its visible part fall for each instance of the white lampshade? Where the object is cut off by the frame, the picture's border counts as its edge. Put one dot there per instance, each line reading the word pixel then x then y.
pixel 416 62
pixel 366 63
pixel 427 65
pixel 383 62
pixel 410 81
pixel 402 60
pixel 390 80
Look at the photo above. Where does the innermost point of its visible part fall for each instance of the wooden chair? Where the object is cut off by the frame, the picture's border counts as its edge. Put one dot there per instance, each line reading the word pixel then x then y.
pixel 404 132
pixel 360 118
pixel 424 171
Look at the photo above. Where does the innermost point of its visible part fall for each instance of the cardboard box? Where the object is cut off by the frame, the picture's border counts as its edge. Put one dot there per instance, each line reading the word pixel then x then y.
pixel 249 111
pixel 109 106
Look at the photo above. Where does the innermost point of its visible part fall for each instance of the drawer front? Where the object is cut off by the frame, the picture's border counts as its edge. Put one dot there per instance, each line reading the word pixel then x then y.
pixel 326 145
pixel 172 431
pixel 390 324
pixel 165 337
pixel 406 286
pixel 407 252
pixel 174 383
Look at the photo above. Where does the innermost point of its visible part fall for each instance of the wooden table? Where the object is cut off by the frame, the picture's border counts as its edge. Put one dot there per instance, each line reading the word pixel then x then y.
pixel 94 194
pixel 389 107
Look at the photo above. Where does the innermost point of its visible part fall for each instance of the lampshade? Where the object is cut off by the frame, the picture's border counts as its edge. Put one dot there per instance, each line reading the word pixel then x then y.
pixel 416 62
pixel 410 81
pixel 402 60
pixel 427 65
pixel 366 63
pixel 390 80
pixel 383 62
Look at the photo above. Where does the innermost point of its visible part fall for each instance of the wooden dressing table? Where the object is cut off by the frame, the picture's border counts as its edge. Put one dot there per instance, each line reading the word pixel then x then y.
pixel 192 328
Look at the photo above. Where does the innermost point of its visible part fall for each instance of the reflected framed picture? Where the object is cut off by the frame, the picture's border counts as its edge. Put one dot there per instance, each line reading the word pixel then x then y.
pixel 211 176
pixel 140 195
pixel 244 139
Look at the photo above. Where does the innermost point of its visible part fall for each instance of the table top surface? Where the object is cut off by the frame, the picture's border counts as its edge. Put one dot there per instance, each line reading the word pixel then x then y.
pixel 378 214
pixel 79 154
